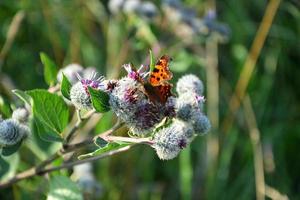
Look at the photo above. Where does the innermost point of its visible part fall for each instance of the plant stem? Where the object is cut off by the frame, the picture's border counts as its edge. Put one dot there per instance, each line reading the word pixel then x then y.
pixel 41 168
pixel 33 172
pixel 127 139
pixel 250 63
pixel 74 128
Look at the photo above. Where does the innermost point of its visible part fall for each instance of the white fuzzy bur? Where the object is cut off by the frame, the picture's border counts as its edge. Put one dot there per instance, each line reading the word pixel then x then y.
pixel 21 115
pixel 70 71
pixel 189 84
pixel 131 105
pixel 12 132
pixel 201 123
pixel 79 97
pixel 169 141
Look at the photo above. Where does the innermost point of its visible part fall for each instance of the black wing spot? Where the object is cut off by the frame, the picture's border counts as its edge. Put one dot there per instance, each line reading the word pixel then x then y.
pixel 157 78
pixel 156 70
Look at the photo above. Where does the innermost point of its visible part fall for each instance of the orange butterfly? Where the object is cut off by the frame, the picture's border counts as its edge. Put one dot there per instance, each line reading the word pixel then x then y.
pixel 158 89
pixel 161 72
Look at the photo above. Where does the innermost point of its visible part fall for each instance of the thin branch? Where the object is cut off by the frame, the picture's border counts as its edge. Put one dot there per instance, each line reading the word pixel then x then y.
pixel 274 194
pixel 33 172
pixel 11 34
pixel 41 168
pixel 257 149
pixel 74 128
pixel 127 139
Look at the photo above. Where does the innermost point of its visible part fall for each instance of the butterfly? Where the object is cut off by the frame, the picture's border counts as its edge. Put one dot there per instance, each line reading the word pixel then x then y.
pixel 161 72
pixel 158 88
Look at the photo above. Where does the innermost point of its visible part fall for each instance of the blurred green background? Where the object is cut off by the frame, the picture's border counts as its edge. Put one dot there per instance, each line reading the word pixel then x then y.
pixel 251 151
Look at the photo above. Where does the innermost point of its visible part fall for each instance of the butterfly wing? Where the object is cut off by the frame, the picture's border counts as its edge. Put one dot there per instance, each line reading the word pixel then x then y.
pixel 161 72
pixel 158 94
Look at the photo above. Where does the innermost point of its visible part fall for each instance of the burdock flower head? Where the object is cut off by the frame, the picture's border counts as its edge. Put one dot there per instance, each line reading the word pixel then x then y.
pixel 186 104
pixel 144 101
pixel 130 103
pixel 169 141
pixel 189 84
pixel 21 115
pixel 79 93
pixel 200 122
pixel 12 132
pixel 71 71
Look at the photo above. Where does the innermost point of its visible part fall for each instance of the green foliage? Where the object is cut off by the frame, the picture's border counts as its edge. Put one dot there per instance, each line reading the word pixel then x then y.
pixel 65 87
pixel 50 114
pixel 9 150
pixel 100 142
pixel 5 109
pixel 8 166
pixel 94 37
pixel 62 188
pixel 23 96
pixel 50 69
pixel 103 149
pixel 100 100
pixel 152 60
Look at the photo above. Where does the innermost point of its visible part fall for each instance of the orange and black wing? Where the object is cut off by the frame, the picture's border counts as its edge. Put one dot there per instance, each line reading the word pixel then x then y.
pixel 161 72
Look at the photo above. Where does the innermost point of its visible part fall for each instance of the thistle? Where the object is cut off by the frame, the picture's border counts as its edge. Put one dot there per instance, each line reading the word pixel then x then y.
pixel 169 141
pixel 189 84
pixel 79 93
pixel 21 115
pixel 186 104
pixel 200 122
pixel 129 102
pixel 12 132
pixel 71 71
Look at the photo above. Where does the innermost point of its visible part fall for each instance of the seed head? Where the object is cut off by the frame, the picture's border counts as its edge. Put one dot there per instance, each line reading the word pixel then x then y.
pixel 189 84
pixel 21 115
pixel 201 123
pixel 145 116
pixel 12 132
pixel 130 104
pixel 70 71
pixel 83 174
pixel 169 141
pixel 186 104
pixel 79 93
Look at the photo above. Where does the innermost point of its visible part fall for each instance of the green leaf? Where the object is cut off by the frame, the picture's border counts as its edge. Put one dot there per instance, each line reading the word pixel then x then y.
pixel 45 133
pixel 23 96
pixel 109 147
pixel 100 100
pixel 5 109
pixel 8 150
pixel 50 114
pixel 65 87
pixel 42 148
pixel 8 166
pixel 50 69
pixel 152 61
pixel 100 142
pixel 62 188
